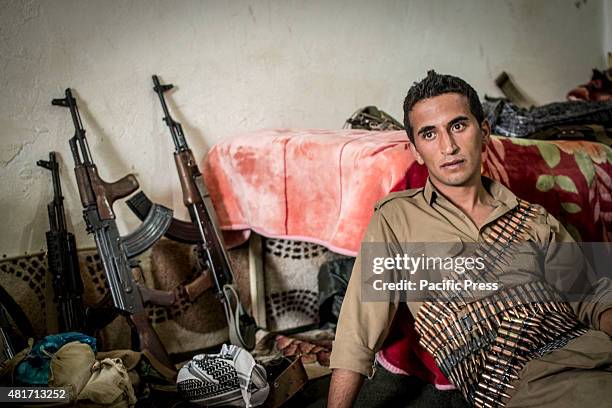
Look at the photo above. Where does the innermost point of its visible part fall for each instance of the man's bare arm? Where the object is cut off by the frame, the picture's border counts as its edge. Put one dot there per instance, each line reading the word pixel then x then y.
pixel 343 388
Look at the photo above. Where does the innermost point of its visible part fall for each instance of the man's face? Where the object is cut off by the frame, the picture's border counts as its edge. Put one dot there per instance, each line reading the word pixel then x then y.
pixel 448 139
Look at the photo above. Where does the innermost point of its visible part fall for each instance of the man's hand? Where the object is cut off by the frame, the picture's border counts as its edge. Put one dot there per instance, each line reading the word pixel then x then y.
pixel 343 388
pixel 605 322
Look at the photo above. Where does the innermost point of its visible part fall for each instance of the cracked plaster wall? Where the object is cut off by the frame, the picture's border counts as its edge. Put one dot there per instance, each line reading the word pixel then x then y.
pixel 240 66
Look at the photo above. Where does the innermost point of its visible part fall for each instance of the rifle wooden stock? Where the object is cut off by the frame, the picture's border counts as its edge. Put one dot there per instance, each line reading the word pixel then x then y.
pixel 156 296
pixel 199 285
pixel 148 339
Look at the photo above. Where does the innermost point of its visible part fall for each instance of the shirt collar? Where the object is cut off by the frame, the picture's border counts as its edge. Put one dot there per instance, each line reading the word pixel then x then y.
pixel 498 191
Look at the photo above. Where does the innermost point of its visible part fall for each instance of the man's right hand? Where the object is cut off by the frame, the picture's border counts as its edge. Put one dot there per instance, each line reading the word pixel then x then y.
pixel 343 388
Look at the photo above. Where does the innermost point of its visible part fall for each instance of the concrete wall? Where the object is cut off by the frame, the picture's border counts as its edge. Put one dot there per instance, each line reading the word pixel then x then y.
pixel 242 65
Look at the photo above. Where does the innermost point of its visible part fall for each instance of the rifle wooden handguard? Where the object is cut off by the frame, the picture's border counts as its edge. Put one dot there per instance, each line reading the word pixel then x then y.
pixel 187 171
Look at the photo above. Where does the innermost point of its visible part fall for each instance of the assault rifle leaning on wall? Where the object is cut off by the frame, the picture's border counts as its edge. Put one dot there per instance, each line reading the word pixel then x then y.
pixel 119 253
pixel 203 230
pixel 62 258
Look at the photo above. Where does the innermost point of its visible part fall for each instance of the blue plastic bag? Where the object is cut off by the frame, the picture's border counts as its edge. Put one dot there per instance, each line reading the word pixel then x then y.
pixel 34 369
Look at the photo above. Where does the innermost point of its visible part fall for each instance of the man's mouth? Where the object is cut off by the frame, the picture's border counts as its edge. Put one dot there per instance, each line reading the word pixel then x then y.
pixel 452 164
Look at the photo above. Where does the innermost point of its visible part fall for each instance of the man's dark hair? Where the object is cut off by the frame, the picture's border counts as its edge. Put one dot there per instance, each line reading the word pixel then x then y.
pixel 435 84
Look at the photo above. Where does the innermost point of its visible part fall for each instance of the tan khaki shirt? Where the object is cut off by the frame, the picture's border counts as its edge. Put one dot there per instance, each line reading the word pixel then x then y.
pixel 425 215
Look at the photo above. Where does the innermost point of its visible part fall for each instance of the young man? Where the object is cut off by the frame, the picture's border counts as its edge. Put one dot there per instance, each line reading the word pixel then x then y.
pixel 495 350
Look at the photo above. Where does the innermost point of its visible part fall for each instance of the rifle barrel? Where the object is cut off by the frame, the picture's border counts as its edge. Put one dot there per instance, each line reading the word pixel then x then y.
pixel 176 130
pixel 58 198
pixel 79 131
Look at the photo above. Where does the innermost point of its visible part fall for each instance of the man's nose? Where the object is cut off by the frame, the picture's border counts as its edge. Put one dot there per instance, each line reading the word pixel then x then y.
pixel 447 144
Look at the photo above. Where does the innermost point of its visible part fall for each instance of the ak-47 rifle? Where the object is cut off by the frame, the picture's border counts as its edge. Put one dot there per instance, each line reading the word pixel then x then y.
pixel 62 258
pixel 203 229
pixel 118 253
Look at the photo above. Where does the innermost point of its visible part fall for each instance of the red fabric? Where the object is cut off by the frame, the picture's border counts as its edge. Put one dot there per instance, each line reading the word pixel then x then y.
pixel 402 354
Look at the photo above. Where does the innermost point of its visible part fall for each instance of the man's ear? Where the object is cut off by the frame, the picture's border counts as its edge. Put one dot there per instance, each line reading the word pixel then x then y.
pixel 416 154
pixel 485 128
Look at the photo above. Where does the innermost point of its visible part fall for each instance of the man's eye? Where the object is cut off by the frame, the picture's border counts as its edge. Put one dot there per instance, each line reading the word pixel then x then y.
pixel 458 126
pixel 428 135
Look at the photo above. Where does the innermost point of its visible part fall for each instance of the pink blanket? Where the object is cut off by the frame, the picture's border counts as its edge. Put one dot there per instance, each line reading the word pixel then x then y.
pixel 310 185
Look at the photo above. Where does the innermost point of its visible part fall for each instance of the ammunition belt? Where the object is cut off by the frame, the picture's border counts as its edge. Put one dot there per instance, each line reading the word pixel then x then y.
pixel 481 345
pixel 499 241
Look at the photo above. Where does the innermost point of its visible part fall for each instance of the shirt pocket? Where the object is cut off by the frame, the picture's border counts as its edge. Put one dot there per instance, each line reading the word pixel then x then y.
pixel 520 263
pixel 443 259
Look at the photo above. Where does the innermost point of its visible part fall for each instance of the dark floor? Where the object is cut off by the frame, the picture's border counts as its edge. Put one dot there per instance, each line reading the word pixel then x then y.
pixel 383 390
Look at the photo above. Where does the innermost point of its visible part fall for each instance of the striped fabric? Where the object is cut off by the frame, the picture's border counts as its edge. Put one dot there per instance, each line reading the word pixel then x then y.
pixel 230 378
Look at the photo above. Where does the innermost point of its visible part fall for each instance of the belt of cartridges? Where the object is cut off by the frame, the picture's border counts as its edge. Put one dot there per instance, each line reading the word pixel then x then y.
pixel 482 346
